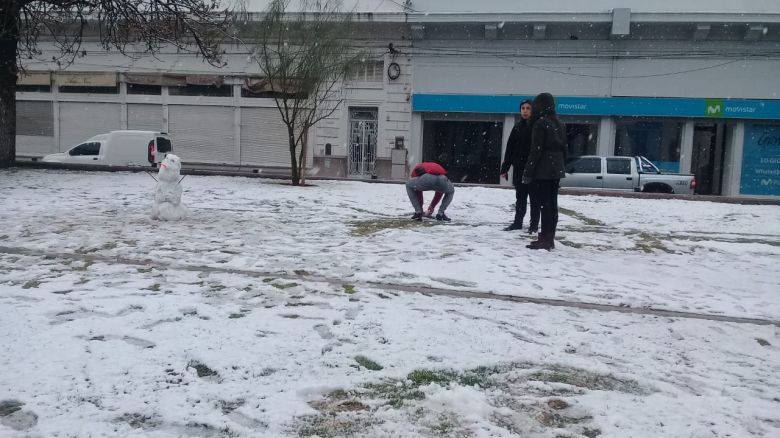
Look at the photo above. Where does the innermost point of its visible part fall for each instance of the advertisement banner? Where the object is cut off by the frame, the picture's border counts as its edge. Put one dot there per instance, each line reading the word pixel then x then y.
pixel 761 160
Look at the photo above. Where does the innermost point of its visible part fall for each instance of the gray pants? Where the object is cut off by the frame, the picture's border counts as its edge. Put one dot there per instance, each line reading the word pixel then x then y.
pixel 437 183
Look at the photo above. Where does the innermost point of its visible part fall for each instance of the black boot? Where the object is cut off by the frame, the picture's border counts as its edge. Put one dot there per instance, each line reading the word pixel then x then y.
pixel 442 217
pixel 533 228
pixel 417 216
pixel 544 241
pixel 514 226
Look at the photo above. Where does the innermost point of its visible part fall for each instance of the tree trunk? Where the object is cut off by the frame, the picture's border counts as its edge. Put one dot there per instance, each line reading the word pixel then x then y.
pixel 302 164
pixel 8 73
pixel 296 177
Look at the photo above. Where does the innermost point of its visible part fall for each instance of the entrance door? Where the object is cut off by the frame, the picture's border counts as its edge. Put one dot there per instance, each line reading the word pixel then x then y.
pixel 709 144
pixel 362 142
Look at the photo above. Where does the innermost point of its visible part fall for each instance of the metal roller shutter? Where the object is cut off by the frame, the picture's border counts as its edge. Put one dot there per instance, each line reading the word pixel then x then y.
pixel 263 138
pixel 145 117
pixel 202 134
pixel 34 128
pixel 80 121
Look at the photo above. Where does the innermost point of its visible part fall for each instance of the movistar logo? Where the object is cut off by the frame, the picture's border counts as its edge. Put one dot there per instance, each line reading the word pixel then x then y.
pixel 713 107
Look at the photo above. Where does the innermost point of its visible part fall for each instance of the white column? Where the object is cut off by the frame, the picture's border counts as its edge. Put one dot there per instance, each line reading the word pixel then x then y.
pixel 55 97
pixel 686 147
pixel 237 123
pixel 164 98
pixel 606 137
pixel 122 103
pixel 509 123
pixel 732 161
pixel 415 142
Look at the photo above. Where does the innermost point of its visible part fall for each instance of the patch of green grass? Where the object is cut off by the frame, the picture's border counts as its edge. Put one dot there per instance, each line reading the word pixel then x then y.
pixel 284 285
pixel 236 315
pixel 137 420
pixel 202 369
pixel 8 407
pixel 648 243
pixel 268 280
pixel 396 393
pixel 368 363
pixel 581 217
pixel 762 342
pixel 591 433
pixel 371 226
pixel 587 379
pixel 424 377
pixel 301 272
pixel 349 289
pixel 144 270
pixel 154 288
pixel 34 283
pixel 109 245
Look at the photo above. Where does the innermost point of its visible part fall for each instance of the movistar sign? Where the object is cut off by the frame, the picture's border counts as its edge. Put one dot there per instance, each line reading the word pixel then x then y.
pixel 756 109
pixel 714 107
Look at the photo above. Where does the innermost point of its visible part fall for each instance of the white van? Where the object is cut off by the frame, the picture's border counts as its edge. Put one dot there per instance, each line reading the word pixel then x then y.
pixel 117 148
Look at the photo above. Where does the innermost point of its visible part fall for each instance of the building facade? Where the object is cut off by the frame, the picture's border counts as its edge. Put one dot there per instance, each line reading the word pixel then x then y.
pixel 692 87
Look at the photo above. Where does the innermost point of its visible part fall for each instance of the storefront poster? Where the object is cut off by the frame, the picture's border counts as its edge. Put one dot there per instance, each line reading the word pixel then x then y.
pixel 761 160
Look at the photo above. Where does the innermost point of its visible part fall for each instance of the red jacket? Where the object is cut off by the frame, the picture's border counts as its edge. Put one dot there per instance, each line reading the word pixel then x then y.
pixel 428 167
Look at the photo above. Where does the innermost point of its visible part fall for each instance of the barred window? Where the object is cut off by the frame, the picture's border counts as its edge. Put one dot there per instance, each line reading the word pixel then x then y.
pixel 370 71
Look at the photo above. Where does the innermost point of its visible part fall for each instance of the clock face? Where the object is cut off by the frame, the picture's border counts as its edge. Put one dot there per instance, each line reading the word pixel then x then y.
pixel 393 71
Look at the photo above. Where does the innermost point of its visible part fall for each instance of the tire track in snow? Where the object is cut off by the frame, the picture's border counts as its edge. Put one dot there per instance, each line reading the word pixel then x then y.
pixel 425 290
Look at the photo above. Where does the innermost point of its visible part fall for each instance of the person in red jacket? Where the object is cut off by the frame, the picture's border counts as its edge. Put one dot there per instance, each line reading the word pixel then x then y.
pixel 429 176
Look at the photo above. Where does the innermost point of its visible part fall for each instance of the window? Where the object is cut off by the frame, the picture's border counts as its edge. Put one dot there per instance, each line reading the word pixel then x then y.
pixel 153 90
pixel 34 88
pixel 656 139
pixel 619 166
pixel 91 148
pixel 584 165
pixel 89 89
pixel 163 145
pixel 581 135
pixel 366 72
pixel 202 90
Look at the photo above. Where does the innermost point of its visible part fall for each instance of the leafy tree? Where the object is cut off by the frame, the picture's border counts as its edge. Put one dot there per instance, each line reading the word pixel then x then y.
pixel 188 25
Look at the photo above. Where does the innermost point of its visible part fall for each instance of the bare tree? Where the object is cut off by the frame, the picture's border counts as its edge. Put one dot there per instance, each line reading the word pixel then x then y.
pixel 304 57
pixel 187 25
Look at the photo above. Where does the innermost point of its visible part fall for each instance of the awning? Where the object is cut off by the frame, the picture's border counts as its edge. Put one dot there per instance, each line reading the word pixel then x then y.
pixel 34 78
pixel 86 79
pixel 156 79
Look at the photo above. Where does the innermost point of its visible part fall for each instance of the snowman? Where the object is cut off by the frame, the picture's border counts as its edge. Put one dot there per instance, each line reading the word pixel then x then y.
pixel 167 195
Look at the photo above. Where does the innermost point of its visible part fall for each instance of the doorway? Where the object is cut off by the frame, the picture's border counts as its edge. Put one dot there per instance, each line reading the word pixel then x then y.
pixel 469 150
pixel 362 142
pixel 709 147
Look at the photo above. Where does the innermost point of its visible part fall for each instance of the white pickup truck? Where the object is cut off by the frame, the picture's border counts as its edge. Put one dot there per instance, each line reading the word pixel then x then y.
pixel 636 174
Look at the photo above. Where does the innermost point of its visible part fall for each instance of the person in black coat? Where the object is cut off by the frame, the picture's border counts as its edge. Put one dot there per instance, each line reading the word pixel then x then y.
pixel 516 155
pixel 546 166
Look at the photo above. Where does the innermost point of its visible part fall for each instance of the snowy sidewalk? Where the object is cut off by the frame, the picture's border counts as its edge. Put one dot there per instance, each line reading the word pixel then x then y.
pixel 202 343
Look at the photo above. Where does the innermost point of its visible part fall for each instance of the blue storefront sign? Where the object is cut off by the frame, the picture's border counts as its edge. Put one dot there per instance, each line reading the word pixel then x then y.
pixel 605 106
pixel 761 160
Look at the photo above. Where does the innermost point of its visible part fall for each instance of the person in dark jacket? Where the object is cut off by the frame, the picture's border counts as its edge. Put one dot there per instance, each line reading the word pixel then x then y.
pixel 516 155
pixel 545 166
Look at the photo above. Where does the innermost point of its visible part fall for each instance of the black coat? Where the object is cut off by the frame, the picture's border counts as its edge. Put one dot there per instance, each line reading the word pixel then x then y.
pixel 517 147
pixel 547 157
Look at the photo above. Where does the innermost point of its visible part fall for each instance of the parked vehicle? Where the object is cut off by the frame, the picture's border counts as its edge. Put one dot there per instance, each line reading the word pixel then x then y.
pixel 624 173
pixel 117 148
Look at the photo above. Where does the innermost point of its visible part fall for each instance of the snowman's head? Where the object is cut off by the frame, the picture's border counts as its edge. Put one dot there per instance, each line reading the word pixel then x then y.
pixel 170 168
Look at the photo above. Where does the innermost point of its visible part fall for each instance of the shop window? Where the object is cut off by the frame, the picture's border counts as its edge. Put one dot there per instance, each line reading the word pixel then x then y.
pixel 33 88
pixel 202 90
pixel 152 90
pixel 581 136
pixel 88 89
pixel 656 139
pixel 469 150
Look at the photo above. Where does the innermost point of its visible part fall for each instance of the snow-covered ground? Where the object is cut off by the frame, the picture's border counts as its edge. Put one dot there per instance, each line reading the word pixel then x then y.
pixel 272 311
